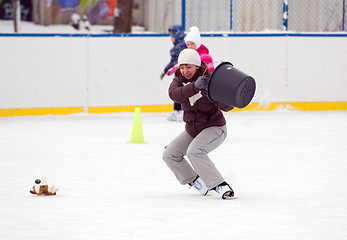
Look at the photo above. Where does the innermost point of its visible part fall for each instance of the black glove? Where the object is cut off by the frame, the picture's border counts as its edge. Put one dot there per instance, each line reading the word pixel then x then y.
pixel 201 82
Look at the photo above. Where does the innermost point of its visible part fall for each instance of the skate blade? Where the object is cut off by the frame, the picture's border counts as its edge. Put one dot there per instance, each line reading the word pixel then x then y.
pixel 228 195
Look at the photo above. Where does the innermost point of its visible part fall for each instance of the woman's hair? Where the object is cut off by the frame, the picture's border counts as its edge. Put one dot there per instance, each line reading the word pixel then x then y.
pixel 203 70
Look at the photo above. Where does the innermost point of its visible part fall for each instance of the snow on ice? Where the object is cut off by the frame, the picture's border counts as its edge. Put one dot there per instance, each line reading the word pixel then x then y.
pixel 288 170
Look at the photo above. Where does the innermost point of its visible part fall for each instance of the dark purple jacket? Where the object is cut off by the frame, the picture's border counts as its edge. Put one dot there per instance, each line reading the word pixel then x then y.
pixel 203 114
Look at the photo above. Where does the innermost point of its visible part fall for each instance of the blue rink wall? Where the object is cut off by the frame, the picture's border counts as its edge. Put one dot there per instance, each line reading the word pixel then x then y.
pixel 63 73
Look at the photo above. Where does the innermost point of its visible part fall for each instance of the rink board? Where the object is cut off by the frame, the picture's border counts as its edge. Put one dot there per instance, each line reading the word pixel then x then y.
pixel 63 74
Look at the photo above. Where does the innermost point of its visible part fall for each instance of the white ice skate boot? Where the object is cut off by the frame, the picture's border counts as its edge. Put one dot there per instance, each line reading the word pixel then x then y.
pixel 176 116
pixel 224 190
pixel 200 186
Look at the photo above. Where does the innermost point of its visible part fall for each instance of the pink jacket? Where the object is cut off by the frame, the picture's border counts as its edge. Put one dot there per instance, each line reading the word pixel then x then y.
pixel 206 57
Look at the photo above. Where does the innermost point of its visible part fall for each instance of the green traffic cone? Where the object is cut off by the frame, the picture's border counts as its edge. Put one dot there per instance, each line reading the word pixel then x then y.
pixel 137 133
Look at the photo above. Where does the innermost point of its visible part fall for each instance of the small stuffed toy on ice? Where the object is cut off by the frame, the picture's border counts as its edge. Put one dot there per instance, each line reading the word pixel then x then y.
pixel 41 188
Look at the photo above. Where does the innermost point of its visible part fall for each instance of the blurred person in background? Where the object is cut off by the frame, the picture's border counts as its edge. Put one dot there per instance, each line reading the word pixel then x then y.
pixel 177 38
pixel 193 41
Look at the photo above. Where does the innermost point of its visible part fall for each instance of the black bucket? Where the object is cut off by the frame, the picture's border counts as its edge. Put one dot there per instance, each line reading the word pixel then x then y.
pixel 230 86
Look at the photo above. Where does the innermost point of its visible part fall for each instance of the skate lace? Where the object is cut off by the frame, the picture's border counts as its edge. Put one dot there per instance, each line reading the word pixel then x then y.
pixel 223 189
pixel 196 184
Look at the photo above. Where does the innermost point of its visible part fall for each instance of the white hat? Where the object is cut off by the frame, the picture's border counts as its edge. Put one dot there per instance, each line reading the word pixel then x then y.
pixel 189 56
pixel 193 36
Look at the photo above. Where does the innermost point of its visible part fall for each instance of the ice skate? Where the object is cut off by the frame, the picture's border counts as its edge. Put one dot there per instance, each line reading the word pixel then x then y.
pixel 176 116
pixel 200 186
pixel 224 190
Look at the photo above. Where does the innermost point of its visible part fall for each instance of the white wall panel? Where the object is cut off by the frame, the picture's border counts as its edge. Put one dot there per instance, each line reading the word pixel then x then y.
pixel 121 71
pixel 125 71
pixel 317 69
pixel 43 72
pixel 264 58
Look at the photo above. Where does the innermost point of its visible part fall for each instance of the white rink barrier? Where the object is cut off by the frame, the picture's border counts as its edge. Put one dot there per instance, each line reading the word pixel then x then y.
pixel 98 72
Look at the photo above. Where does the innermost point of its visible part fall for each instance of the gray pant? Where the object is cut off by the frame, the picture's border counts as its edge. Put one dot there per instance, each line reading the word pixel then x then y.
pixel 196 150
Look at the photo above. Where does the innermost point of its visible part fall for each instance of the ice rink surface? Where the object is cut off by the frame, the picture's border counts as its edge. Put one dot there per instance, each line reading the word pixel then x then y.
pixel 288 170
